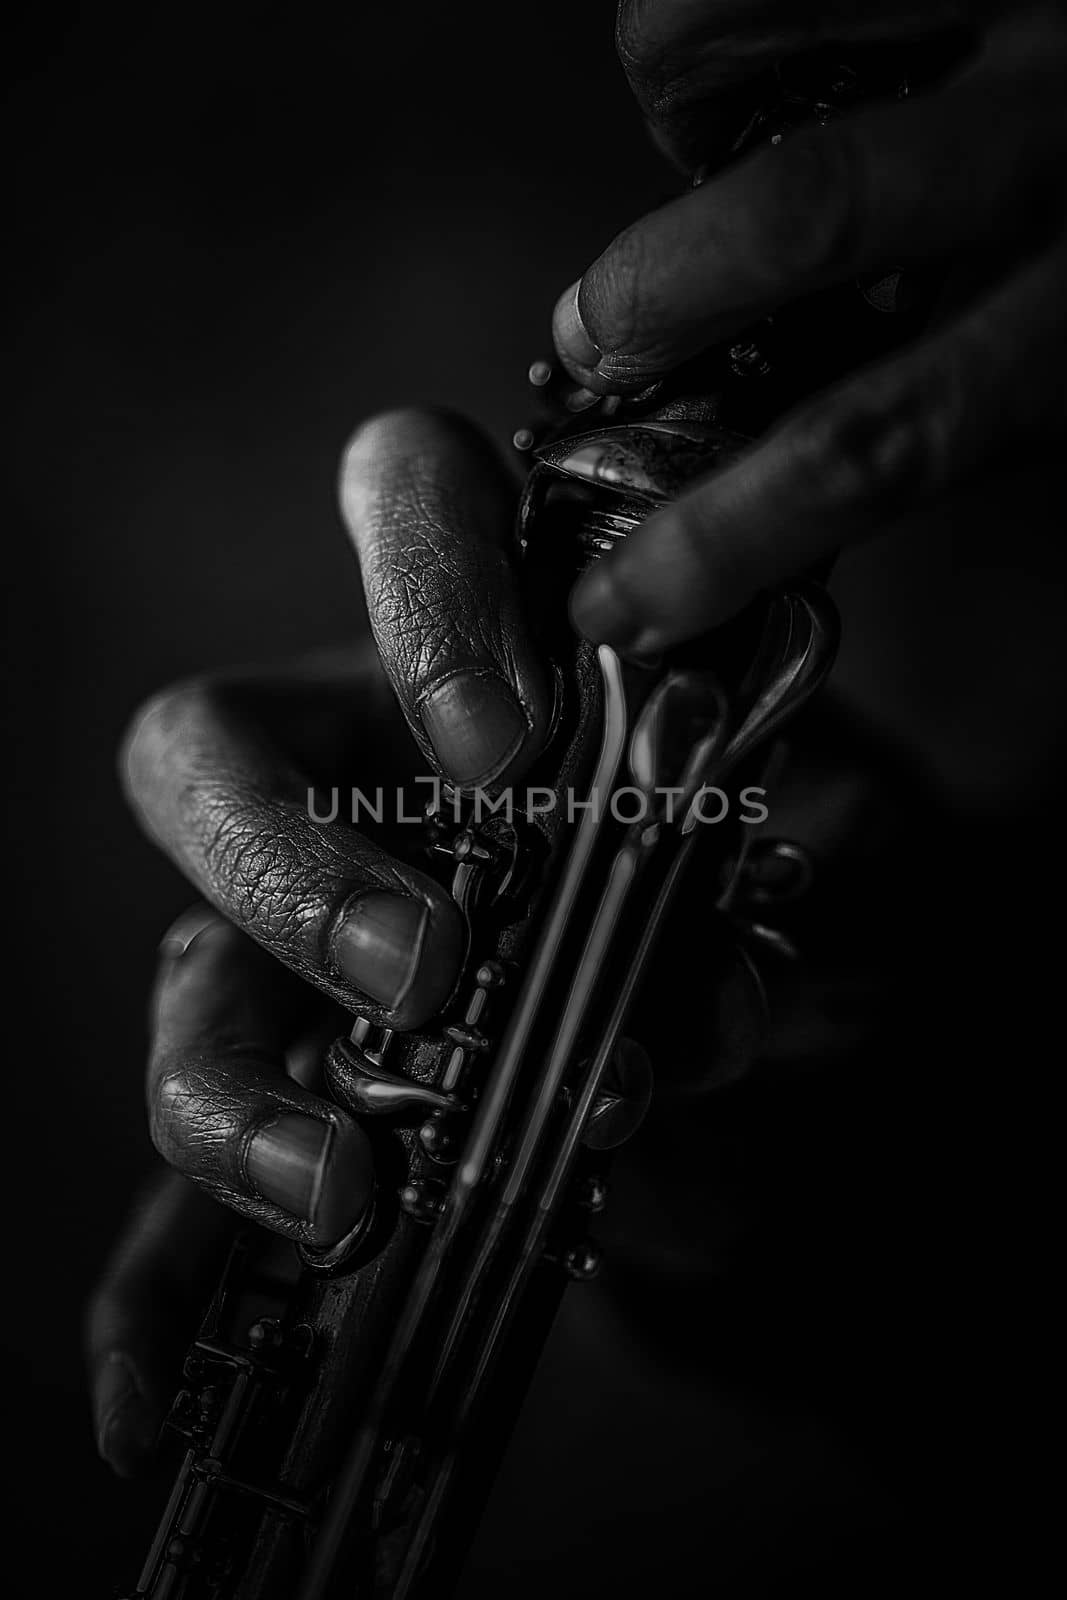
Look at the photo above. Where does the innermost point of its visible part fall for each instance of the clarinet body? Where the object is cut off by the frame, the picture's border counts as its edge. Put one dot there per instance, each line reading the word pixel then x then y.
pixel 344 1414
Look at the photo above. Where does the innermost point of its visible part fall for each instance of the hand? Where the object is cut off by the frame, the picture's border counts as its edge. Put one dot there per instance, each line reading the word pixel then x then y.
pixel 973 168
pixel 219 772
pixel 306 920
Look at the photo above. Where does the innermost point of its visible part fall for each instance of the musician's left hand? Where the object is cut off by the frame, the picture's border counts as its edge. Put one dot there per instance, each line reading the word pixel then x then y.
pixel 972 170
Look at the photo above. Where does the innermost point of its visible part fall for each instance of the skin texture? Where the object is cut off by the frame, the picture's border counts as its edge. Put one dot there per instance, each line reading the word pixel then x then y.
pixel 306 921
pixel 972 169
pixel 295 928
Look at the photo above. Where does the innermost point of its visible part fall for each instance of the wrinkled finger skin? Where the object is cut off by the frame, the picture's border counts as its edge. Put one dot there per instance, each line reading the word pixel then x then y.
pixel 697 68
pixel 222 1107
pixel 209 772
pixel 219 770
pixel 429 508
pixel 232 1036
pixel 970 170
pixel 969 165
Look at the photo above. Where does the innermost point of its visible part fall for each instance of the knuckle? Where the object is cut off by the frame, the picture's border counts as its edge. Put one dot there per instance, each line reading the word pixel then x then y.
pixel 633 39
pixel 414 482
pixel 414 611
pixel 708 565
pixel 427 599
pixel 654 61
pixel 679 60
pixel 865 452
pixel 428 606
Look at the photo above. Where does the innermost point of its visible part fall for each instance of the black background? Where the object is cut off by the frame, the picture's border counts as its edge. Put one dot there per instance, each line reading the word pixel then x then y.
pixel 238 233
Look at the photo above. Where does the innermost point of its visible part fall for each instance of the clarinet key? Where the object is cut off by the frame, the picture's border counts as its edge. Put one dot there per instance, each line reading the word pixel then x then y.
pixel 423 1199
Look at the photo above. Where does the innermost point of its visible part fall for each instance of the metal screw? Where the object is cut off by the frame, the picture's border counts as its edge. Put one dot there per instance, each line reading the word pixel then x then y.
pixel 583 1262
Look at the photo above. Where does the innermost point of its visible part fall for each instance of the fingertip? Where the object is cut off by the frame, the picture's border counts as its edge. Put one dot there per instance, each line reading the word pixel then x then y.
pixel 581 399
pixel 440 959
pixel 347 1186
pixel 576 348
pixel 402 951
pixel 476 726
pixel 601 611
pixel 318 1170
pixel 388 448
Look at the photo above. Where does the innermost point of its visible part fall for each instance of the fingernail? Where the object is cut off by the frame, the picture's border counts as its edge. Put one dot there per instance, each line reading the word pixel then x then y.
pixel 599 612
pixel 189 926
pixel 285 1162
pixel 127 1429
pixel 475 725
pixel 581 399
pixel 572 336
pixel 378 944
pixel 315 1171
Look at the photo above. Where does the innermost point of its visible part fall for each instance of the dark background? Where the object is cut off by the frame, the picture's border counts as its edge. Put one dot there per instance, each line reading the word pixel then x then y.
pixel 237 234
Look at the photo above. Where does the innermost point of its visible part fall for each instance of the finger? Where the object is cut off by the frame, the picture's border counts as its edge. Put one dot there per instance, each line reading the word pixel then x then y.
pixel 143 1314
pixel 222 1109
pixel 839 469
pixel 962 168
pixel 431 513
pixel 212 772
pixel 698 68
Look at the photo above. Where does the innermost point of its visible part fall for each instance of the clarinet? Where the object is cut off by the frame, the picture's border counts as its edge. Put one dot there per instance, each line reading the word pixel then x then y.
pixel 344 1411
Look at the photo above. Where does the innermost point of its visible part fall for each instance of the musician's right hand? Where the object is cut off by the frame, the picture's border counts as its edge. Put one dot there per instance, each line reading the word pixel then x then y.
pixel 306 920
